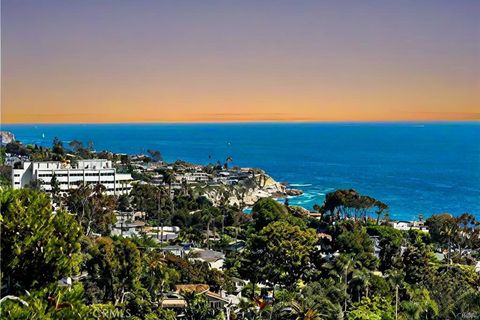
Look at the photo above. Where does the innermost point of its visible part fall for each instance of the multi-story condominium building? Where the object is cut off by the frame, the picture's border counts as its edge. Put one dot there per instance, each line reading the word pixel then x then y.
pixel 70 176
pixel 192 177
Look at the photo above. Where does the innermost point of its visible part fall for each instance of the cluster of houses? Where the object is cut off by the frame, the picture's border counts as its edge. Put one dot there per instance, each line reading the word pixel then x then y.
pixel 75 173
pixel 190 173
pixel 128 224
pixel 409 225
pixel 132 224
pixel 71 174
pixel 220 300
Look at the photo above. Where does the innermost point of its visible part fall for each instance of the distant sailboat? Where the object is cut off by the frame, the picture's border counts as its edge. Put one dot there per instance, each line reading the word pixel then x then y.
pixel 43 135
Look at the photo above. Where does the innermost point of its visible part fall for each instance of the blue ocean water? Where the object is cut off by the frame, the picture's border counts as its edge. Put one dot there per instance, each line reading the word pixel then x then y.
pixel 414 168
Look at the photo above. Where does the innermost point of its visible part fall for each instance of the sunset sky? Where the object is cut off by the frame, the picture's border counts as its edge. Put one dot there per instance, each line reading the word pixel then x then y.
pixel 152 61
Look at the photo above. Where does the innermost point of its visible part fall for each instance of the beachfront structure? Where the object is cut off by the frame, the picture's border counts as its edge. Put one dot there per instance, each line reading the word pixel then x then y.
pixel 70 176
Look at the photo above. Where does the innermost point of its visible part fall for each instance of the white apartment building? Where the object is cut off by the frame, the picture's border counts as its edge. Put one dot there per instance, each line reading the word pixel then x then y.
pixel 192 177
pixel 82 172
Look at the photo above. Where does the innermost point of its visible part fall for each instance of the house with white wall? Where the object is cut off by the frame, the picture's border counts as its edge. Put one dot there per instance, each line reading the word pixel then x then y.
pixel 70 176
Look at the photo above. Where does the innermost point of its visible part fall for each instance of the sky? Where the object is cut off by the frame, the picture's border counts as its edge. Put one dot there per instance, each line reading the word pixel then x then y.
pixel 108 61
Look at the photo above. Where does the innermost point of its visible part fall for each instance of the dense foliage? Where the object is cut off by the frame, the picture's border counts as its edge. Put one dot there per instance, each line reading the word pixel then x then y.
pixel 346 264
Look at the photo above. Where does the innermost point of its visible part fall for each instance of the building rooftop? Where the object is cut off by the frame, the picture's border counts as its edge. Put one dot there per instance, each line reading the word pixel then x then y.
pixel 197 288
pixel 209 255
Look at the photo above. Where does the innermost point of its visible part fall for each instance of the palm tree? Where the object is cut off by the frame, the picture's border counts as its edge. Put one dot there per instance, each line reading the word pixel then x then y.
pixel 236 224
pixel 227 160
pixel 191 234
pixel 419 302
pixel 248 309
pixel 209 215
pixel 361 281
pixel 154 274
pixel 343 266
pixel 168 177
pixel 301 310
pixel 449 231
pixel 381 207
pixel 465 220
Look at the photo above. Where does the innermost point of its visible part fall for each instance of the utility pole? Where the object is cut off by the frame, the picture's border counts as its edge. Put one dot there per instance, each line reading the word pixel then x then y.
pixel 223 222
pixel 161 237
pixel 158 224
pixel 396 302
pixel 158 215
pixel 346 286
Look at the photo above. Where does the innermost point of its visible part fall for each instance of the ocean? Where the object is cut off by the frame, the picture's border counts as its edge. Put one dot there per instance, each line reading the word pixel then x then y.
pixel 415 168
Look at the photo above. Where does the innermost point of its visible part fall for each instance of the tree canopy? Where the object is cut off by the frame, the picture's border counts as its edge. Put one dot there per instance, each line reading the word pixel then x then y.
pixel 39 246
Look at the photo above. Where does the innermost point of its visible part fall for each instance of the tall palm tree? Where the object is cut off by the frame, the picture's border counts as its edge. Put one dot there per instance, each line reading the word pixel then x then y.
pixel 465 235
pixel 168 178
pixel 227 161
pixel 208 216
pixel 361 282
pixel 448 232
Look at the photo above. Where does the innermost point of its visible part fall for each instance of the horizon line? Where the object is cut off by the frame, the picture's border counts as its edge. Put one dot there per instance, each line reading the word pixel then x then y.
pixel 248 122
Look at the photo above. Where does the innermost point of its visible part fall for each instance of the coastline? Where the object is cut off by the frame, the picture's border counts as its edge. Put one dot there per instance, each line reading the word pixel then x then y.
pixel 413 169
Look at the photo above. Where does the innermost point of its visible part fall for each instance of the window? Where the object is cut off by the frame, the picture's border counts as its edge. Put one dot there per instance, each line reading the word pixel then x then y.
pixel 90 174
pixel 45 175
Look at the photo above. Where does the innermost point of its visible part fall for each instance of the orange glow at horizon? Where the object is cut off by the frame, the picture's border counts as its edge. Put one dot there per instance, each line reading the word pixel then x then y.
pixel 149 61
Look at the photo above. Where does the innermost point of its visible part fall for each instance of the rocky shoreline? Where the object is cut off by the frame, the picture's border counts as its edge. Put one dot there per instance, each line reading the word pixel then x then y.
pixel 7 137
pixel 245 195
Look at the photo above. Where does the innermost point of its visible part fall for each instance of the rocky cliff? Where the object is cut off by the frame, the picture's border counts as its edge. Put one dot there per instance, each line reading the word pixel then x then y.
pixel 7 137
pixel 246 193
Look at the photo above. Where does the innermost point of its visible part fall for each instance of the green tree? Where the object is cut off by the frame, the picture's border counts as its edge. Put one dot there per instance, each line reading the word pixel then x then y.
pixel 351 238
pixel 376 308
pixel 437 224
pixel 418 304
pixel 282 250
pixel 57 149
pixel 350 203
pixel 198 307
pixel 416 258
pixel 38 246
pixel 326 296
pixel 155 154
pixel 209 215
pixel 50 302
pixel 55 185
pixel 299 310
pixel 94 209
pixel 450 285
pixel 150 199
pixel 157 277
pixel 390 241
pixel 114 266
pixel 267 210
pixel 169 178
